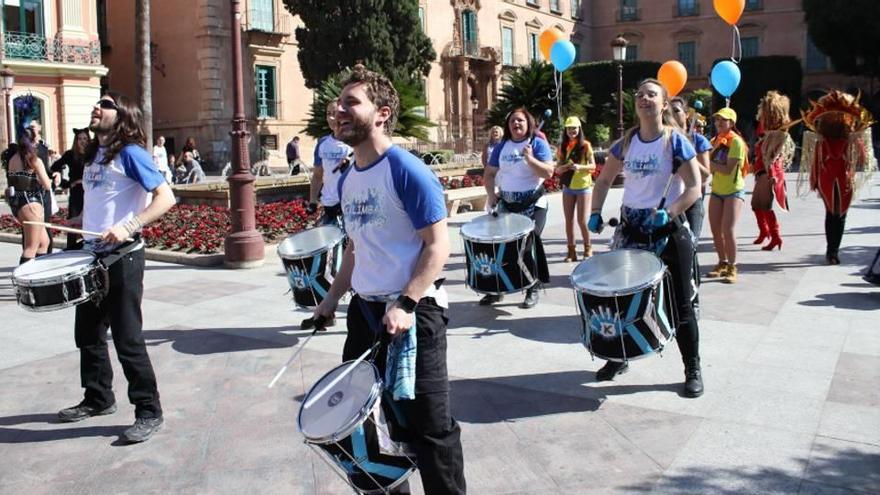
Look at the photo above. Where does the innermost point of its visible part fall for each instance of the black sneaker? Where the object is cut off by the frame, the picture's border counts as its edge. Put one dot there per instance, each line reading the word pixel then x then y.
pixel 610 370
pixel 143 429
pixel 82 411
pixel 531 299
pixel 490 299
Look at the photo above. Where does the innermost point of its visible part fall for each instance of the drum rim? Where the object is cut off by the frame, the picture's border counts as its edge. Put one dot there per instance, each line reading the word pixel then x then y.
pixel 512 237
pixel 622 292
pixel 54 279
pixel 352 423
pixel 313 252
pixel 52 307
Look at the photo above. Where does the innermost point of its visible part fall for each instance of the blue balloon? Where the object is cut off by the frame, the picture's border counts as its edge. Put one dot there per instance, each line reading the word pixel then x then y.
pixel 562 54
pixel 725 78
pixel 698 104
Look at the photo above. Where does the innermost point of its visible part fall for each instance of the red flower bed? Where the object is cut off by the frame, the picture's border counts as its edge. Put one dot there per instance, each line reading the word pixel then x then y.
pixel 202 229
pixel 459 182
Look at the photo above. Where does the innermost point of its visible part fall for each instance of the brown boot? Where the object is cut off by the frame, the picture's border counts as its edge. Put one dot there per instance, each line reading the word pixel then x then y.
pixel 588 251
pixel 719 270
pixel 572 253
pixel 729 276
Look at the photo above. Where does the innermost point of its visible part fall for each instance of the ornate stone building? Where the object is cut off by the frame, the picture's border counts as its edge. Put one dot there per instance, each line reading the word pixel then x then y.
pixel 54 51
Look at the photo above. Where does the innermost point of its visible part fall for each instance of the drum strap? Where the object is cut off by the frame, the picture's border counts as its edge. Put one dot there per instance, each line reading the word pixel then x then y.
pixel 525 204
pixel 111 257
pixel 635 233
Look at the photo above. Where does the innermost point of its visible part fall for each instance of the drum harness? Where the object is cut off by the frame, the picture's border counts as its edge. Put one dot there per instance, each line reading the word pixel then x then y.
pixel 105 259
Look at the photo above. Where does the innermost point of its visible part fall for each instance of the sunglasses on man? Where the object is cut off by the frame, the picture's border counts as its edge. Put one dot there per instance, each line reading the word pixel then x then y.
pixel 107 105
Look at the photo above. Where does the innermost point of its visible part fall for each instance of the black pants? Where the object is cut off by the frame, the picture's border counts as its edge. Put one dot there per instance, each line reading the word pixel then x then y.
pixel 47 217
pixel 332 215
pixel 121 311
pixel 437 436
pixel 834 226
pixel 679 257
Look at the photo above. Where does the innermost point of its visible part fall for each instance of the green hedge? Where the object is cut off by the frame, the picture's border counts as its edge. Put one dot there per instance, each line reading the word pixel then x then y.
pixel 599 80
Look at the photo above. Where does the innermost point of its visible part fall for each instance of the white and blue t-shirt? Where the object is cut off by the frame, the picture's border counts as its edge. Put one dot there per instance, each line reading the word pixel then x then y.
pixel 328 153
pixel 119 190
pixel 515 175
pixel 647 167
pixel 384 204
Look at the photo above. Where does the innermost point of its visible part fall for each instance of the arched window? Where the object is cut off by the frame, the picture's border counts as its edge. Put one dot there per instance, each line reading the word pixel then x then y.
pixel 469 32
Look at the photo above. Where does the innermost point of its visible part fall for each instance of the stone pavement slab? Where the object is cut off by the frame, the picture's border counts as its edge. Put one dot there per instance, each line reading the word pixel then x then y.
pixel 791 361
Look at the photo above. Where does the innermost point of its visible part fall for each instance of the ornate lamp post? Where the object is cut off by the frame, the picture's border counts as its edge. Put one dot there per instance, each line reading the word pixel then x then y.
pixel 8 81
pixel 618 52
pixel 244 247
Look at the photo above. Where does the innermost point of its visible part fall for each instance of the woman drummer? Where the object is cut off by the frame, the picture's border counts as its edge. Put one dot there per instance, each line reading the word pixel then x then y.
pixel 662 181
pixel 525 161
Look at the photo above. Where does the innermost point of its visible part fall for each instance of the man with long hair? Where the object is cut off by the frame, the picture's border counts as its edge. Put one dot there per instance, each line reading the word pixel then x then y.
pixel 395 217
pixel 118 181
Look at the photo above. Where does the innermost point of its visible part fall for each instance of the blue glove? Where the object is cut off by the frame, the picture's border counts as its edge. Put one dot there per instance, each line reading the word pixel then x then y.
pixel 595 223
pixel 661 218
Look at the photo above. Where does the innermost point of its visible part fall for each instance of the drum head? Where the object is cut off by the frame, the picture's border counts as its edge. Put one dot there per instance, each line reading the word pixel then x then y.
pixel 504 227
pixel 310 242
pixel 623 271
pixel 344 406
pixel 54 265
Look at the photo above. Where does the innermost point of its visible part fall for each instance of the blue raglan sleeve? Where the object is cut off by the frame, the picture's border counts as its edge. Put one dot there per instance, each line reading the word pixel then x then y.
pixel 682 147
pixel 418 189
pixel 495 157
pixel 139 167
pixel 318 161
pixel 617 149
pixel 541 150
pixel 701 143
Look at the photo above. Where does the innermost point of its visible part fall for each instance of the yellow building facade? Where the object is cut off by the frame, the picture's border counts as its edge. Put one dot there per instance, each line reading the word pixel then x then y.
pixel 53 48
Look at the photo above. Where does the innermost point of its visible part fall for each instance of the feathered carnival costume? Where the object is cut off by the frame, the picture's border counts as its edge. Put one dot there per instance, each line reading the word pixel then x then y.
pixel 836 148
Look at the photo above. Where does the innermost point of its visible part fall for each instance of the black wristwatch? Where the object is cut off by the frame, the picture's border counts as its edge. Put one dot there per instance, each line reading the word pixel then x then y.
pixel 406 303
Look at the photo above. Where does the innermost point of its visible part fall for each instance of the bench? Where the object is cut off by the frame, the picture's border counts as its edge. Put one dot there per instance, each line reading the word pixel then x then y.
pixel 474 197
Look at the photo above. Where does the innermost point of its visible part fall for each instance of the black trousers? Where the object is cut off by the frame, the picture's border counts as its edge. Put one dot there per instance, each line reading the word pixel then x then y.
pixel 436 434
pixel 679 257
pixel 121 312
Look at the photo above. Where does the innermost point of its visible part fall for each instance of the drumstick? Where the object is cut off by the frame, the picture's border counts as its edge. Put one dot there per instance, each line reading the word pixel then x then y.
pixel 342 375
pixel 319 325
pixel 72 230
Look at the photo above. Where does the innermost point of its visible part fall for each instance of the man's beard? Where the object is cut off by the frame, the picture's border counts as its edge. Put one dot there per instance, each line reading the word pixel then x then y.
pixel 100 128
pixel 358 131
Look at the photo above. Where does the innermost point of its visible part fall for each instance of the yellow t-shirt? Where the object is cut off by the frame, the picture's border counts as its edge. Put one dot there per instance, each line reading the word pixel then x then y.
pixel 581 179
pixel 733 182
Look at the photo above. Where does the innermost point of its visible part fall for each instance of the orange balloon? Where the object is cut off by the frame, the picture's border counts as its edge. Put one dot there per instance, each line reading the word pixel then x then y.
pixel 730 10
pixel 673 75
pixel 546 40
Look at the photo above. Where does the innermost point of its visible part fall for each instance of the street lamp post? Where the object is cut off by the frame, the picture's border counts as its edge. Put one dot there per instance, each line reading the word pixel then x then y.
pixel 244 247
pixel 618 52
pixel 8 81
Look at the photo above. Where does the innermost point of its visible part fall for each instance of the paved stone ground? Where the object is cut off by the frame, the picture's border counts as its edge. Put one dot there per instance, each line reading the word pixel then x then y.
pixel 791 357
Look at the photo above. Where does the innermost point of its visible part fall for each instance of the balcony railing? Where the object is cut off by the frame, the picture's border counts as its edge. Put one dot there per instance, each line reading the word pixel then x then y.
pixel 626 14
pixel 267 109
pixel 754 5
pixel 267 22
pixel 684 9
pixel 470 49
pixel 29 46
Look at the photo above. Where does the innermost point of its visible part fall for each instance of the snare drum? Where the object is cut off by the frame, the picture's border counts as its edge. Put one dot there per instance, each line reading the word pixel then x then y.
pixel 59 280
pixel 347 428
pixel 500 252
pixel 625 302
pixel 311 259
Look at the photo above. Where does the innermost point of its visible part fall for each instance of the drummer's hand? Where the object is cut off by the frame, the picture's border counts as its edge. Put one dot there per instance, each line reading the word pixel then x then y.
pixel 491 200
pixel 527 151
pixel 397 320
pixel 326 309
pixel 115 234
pixel 595 223
pixel 660 218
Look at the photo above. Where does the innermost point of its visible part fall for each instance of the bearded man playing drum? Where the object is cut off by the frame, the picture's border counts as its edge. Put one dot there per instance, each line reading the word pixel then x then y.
pixel 662 181
pixel 117 181
pixel 395 217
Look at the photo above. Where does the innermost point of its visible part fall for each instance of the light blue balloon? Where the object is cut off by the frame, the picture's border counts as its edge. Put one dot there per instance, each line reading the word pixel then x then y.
pixel 698 104
pixel 725 78
pixel 562 54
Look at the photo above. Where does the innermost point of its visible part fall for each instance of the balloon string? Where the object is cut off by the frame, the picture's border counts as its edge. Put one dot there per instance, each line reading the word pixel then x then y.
pixel 559 100
pixel 727 101
pixel 737 49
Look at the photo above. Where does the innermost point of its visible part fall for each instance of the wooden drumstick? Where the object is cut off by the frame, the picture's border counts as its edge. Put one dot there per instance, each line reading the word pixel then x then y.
pixel 63 228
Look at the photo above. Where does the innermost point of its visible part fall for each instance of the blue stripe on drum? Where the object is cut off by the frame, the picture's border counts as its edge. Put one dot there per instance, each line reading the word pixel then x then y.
pixel 499 257
pixel 634 333
pixel 472 273
pixel 359 448
pixel 313 277
pixel 662 317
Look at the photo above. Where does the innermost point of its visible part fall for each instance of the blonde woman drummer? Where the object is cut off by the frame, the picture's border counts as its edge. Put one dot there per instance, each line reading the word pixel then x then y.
pixel 662 181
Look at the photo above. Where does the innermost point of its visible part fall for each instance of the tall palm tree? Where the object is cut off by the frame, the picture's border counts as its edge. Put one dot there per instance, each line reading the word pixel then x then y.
pixel 531 86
